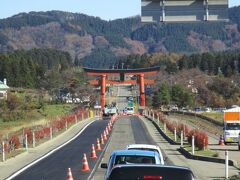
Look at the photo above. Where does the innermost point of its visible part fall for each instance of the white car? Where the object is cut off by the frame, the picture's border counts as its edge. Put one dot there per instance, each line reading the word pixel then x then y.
pixel 130 110
pixel 148 147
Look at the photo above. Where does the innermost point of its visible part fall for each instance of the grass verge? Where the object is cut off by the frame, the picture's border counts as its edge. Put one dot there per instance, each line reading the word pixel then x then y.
pixel 199 152
pixel 35 118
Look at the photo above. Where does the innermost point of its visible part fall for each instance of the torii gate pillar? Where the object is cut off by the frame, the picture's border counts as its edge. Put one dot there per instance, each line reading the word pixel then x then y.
pixel 142 90
pixel 103 90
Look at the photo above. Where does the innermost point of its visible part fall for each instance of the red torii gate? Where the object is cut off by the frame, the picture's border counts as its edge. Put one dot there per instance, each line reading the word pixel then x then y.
pixel 140 73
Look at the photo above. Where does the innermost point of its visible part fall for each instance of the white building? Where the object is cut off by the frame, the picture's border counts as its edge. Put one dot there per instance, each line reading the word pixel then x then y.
pixel 3 89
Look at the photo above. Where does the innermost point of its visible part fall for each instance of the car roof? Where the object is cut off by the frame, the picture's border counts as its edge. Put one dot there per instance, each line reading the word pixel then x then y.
pixel 148 146
pixel 134 152
pixel 138 171
pixel 154 165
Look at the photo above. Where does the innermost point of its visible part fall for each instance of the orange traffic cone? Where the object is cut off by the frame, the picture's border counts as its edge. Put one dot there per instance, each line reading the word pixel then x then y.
pixel 93 152
pixel 221 141
pixel 109 127
pixel 107 133
pixel 104 136
pixel 102 140
pixel 69 174
pixel 85 166
pixel 98 148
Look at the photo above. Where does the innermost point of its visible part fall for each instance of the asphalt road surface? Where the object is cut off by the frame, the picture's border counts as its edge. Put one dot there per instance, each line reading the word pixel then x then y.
pixel 55 166
pixel 127 130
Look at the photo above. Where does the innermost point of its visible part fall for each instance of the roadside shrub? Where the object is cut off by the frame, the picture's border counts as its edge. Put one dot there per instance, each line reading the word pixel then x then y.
pixel 201 138
pixel 46 131
pixel 216 154
pixel 171 126
pixel 191 133
pixel 14 142
pixel 39 134
pixel 184 128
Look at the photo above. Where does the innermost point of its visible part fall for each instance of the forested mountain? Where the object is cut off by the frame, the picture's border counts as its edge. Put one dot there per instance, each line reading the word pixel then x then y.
pixel 225 63
pixel 98 43
pixel 30 68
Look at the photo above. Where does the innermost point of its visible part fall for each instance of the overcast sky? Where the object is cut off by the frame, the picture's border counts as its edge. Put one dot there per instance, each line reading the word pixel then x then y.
pixel 105 9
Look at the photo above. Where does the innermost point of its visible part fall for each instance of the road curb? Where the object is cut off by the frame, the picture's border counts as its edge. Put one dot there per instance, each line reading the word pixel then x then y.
pixel 188 155
pixel 162 133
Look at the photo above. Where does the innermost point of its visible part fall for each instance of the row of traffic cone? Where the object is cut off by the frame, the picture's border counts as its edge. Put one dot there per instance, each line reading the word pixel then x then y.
pixel 93 155
pixel 85 167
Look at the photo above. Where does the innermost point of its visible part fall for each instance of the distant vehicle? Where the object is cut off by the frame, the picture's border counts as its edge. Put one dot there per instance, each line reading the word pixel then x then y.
pixel 148 147
pixel 69 101
pixel 130 98
pixel 86 99
pixel 208 109
pixel 198 109
pixel 130 157
pixel 231 127
pixel 130 111
pixel 184 109
pixel 77 100
pixel 173 108
pixel 150 172
pixel 109 110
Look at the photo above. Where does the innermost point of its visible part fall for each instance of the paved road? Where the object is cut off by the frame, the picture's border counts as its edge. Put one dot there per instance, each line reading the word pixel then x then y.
pixel 127 130
pixel 123 91
pixel 55 166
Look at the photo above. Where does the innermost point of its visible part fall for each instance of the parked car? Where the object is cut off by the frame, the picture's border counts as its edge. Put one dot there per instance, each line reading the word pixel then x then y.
pixel 173 108
pixel 150 172
pixel 184 109
pixel 130 157
pixel 148 147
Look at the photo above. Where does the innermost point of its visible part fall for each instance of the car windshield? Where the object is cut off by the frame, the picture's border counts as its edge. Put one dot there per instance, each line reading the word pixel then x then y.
pixel 233 126
pixel 134 160
pixel 130 109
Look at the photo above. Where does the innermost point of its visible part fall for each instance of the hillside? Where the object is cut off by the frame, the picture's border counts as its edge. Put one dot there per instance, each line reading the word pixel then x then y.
pixel 34 68
pixel 97 43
